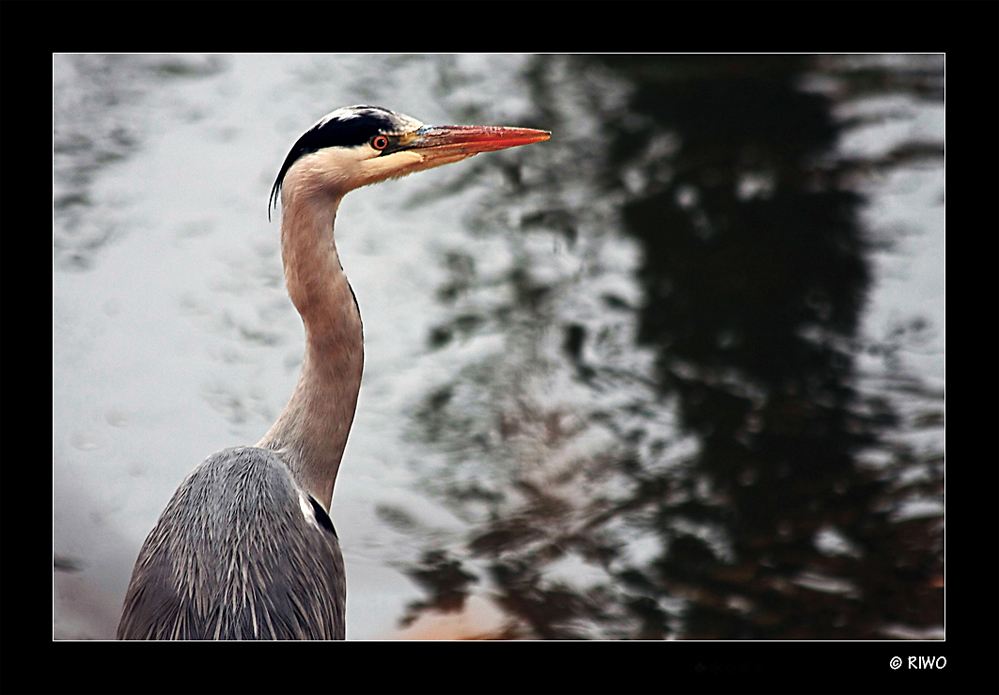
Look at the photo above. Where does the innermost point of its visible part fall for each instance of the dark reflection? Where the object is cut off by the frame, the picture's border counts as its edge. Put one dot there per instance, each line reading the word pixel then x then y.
pixel 61 563
pixel 444 580
pixel 754 274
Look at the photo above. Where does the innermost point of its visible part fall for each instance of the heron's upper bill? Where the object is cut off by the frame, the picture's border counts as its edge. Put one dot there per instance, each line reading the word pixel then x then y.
pixel 471 139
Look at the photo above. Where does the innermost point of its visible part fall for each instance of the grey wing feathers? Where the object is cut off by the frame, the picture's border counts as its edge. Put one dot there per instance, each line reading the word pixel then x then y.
pixel 235 556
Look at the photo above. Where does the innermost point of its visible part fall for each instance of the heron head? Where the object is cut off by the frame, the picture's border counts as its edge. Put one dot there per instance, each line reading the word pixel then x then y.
pixel 359 145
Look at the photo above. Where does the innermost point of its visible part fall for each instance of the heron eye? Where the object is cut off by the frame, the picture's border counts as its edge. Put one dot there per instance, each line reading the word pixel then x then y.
pixel 379 142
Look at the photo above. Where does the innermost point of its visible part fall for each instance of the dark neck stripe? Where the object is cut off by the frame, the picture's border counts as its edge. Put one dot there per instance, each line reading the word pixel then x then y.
pixel 321 516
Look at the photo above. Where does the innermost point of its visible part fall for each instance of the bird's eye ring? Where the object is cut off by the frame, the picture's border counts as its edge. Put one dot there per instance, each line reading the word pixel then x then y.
pixel 379 142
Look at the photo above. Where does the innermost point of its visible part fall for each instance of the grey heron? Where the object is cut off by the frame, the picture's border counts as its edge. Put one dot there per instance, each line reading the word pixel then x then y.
pixel 245 549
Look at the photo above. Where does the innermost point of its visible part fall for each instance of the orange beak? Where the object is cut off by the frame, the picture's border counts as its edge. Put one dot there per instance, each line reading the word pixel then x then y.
pixel 449 140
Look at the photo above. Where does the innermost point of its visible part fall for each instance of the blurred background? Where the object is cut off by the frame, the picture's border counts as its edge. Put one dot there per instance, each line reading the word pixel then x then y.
pixel 676 373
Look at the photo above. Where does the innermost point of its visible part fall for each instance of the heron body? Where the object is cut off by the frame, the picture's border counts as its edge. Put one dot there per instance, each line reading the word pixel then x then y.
pixel 245 549
pixel 247 569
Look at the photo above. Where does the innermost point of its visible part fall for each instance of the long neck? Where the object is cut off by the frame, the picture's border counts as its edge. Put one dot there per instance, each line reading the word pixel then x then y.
pixel 311 433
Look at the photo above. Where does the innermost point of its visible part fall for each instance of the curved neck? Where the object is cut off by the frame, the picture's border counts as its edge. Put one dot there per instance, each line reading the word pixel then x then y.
pixel 311 433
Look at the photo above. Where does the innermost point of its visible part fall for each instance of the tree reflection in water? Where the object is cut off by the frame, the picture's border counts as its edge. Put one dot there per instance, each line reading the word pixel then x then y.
pixel 703 458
